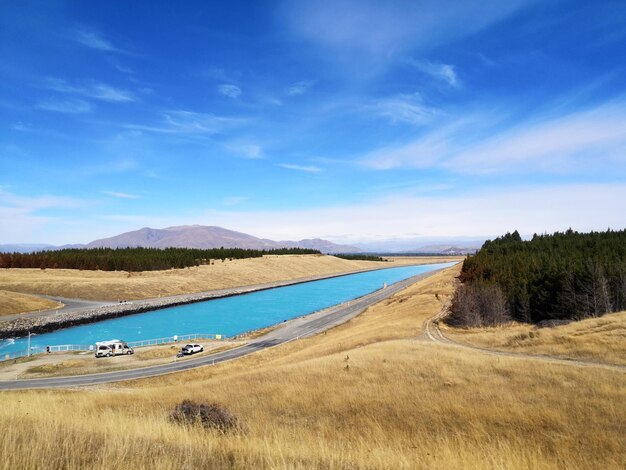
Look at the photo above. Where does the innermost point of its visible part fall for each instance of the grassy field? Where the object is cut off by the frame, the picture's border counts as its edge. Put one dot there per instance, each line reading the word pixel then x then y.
pixel 118 285
pixel 371 393
pixel 596 339
pixel 14 302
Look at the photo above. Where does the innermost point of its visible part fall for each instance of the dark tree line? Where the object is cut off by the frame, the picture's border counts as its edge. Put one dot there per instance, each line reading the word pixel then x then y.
pixel 134 259
pixel 564 276
pixel 358 257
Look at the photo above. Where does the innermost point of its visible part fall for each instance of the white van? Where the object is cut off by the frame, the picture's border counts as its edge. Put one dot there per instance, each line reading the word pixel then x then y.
pixel 114 347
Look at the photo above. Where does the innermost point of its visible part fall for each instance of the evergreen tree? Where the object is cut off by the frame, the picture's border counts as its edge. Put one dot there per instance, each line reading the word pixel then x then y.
pixel 566 275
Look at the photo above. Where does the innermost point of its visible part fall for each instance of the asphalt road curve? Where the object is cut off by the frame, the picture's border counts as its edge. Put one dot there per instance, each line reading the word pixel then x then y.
pixel 289 331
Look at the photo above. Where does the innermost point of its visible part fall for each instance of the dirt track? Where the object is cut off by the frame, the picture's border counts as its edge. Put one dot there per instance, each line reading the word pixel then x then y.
pixel 433 333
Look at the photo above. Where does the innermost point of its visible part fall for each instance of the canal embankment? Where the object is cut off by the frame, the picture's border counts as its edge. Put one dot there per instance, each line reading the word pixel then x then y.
pixel 47 321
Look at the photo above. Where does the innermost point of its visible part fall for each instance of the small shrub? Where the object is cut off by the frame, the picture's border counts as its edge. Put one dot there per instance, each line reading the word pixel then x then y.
pixel 477 304
pixel 208 415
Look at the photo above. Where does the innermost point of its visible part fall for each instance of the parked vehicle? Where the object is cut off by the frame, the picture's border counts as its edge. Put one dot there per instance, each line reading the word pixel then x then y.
pixel 115 347
pixel 192 348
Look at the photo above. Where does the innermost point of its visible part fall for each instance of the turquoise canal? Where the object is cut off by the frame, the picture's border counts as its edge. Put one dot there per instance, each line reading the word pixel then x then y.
pixel 226 316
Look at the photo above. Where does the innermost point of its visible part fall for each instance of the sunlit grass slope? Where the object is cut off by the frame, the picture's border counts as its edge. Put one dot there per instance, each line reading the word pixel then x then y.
pixel 107 285
pixel 369 394
pixel 600 339
pixel 14 302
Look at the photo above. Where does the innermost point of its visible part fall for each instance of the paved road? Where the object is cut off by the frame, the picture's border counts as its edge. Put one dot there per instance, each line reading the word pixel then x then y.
pixel 289 331
pixel 433 333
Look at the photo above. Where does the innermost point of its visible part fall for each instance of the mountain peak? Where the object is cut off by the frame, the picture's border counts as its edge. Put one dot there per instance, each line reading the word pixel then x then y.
pixel 204 237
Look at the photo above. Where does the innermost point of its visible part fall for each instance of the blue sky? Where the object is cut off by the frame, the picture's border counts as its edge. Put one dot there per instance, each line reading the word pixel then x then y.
pixel 348 120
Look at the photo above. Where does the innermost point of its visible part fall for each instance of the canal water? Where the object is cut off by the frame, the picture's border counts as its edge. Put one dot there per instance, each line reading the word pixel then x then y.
pixel 227 316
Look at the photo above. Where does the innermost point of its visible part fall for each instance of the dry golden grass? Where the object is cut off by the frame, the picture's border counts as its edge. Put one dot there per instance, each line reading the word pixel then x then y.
pixel 101 285
pixel 13 302
pixel 596 339
pixel 368 394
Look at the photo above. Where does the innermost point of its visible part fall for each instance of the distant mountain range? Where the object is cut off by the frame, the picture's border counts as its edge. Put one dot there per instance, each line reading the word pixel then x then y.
pixel 442 246
pixel 24 247
pixel 449 249
pixel 191 236
pixel 201 236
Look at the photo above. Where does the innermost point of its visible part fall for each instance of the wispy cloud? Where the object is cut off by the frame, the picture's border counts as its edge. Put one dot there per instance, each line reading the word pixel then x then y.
pixel 552 144
pixel 574 142
pixel 99 91
pixel 299 88
pixel 189 123
pixel 424 152
pixel 383 29
pixel 32 204
pixel 120 67
pixel 403 109
pixel 234 200
pixel 20 126
pixel 304 168
pixel 94 40
pixel 73 106
pixel 114 166
pixel 223 75
pixel 108 93
pixel 231 91
pixel 580 206
pixel 119 195
pixel 442 72
pixel 250 151
pixel 24 226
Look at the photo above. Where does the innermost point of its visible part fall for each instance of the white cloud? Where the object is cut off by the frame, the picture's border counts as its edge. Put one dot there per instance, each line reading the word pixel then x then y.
pixel 383 28
pixel 94 40
pixel 530 210
pixel 250 151
pixel 108 93
pixel 20 126
pixel 183 122
pixel 403 109
pixel 99 91
pixel 231 91
pixel 21 220
pixel 119 195
pixel 31 204
pixel 442 72
pixel 304 168
pixel 527 209
pixel 19 226
pixel 234 200
pixel 299 88
pixel 122 68
pixel 424 152
pixel 550 145
pixel 74 106
pixel 572 142
pixel 120 165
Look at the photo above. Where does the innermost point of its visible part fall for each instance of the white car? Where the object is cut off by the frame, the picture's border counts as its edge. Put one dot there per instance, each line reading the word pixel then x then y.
pixel 192 348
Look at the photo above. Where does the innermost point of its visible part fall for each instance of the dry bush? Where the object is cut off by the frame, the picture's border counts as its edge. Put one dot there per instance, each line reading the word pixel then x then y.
pixel 208 415
pixel 478 304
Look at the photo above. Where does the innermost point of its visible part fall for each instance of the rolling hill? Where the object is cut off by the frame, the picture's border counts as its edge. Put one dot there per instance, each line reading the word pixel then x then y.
pixel 201 236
